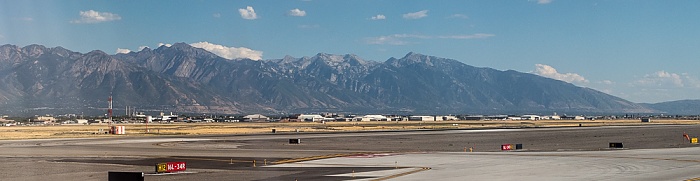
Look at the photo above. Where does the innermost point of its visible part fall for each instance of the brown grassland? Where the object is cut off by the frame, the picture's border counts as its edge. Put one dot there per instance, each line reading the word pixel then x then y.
pixel 156 129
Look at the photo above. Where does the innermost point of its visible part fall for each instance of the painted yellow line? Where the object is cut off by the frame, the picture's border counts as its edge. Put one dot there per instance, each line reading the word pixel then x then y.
pixel 209 159
pixel 693 179
pixel 310 158
pixel 402 174
pixel 293 160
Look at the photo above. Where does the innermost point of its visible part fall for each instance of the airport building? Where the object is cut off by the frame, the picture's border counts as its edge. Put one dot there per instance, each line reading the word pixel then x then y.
pixel 256 118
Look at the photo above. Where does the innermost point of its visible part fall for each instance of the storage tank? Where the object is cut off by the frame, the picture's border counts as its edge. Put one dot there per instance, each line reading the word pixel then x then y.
pixel 118 130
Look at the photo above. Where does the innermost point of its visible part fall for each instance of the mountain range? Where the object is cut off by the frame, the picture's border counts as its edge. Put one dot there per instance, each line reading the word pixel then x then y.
pixel 680 107
pixel 184 79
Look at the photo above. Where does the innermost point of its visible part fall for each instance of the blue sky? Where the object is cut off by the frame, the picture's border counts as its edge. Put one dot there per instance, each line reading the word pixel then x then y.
pixel 643 51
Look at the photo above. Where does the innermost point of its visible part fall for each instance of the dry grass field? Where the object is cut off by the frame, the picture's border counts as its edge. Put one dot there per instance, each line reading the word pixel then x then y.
pixel 155 129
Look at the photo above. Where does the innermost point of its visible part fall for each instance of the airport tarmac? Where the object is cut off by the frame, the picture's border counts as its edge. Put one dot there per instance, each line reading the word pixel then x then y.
pixel 638 165
pixel 657 152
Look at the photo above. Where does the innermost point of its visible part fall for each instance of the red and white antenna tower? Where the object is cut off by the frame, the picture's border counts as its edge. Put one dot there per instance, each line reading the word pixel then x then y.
pixel 109 110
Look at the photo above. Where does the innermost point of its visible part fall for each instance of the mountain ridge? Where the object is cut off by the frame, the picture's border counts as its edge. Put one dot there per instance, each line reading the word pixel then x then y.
pixel 677 107
pixel 182 78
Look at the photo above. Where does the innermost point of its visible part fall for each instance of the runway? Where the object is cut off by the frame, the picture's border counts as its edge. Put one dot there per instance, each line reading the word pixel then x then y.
pixel 647 164
pixel 655 152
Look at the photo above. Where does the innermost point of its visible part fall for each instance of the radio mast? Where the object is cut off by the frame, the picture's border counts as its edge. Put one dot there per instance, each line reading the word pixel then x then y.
pixel 109 109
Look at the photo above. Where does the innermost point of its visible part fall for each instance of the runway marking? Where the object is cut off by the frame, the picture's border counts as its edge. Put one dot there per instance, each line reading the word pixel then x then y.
pixel 373 155
pixel 418 169
pixel 293 160
pixel 597 156
pixel 664 159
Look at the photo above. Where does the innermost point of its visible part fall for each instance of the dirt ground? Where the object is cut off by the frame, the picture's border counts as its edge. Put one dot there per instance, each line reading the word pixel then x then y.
pixel 97 130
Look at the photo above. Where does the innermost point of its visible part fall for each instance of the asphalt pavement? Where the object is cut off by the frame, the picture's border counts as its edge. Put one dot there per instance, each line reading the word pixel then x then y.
pixel 655 152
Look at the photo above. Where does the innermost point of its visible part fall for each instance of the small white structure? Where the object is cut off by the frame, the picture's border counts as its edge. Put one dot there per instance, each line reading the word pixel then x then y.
pixel 579 118
pixel 530 117
pixel 396 118
pixel 344 119
pixel 421 118
pixel 256 118
pixel 69 122
pixel 81 121
pixel 170 117
pixel 46 118
pixel 448 118
pixel 34 121
pixel 371 118
pixel 4 121
pixel 515 118
pixel 140 115
pixel 311 117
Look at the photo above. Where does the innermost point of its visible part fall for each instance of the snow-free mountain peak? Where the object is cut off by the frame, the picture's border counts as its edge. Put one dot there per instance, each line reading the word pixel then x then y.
pixel 182 78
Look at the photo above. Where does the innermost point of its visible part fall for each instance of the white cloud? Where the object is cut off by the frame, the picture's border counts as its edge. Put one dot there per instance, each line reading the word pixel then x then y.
pixel 216 15
pixel 92 16
pixel 411 36
pixel 385 40
pixel 395 39
pixel 691 81
pixel 664 86
pixel 607 82
pixel 550 72
pixel 166 45
pixel 661 79
pixel 403 39
pixel 416 15
pixel 472 36
pixel 123 50
pixel 248 13
pixel 378 17
pixel 460 16
pixel 544 1
pixel 296 12
pixel 229 52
